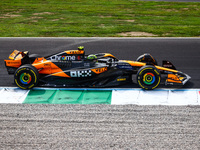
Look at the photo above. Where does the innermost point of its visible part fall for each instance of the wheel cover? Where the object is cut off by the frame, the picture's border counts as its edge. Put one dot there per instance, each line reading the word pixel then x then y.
pixel 149 78
pixel 25 78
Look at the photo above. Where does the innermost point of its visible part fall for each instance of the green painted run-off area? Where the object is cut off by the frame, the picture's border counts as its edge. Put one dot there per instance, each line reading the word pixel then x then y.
pixel 60 96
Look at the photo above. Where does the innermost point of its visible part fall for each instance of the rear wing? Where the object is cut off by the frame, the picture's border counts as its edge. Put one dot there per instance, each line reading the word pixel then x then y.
pixel 15 55
pixel 15 61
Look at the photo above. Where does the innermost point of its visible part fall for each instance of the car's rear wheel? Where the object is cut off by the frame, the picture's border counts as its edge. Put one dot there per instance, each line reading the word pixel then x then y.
pixel 26 77
pixel 148 77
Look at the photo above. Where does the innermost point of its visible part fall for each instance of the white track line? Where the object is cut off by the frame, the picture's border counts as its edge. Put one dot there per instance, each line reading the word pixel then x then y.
pixel 176 97
pixel 12 95
pixel 156 97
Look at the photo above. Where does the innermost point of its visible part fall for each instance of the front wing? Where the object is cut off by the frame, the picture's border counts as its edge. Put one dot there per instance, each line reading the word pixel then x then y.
pixel 178 78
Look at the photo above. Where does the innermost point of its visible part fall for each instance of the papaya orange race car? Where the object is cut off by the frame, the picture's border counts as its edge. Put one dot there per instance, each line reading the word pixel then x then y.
pixel 74 68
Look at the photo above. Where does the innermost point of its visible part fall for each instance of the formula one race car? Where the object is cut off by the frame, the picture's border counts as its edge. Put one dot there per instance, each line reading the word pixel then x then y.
pixel 72 68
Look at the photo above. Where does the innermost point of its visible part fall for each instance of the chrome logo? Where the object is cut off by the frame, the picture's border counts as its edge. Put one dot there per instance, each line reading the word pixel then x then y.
pixel 25 78
pixel 149 78
pixel 63 58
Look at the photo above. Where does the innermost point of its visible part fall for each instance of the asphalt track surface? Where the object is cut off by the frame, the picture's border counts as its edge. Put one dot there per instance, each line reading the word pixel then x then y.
pixel 103 126
pixel 182 52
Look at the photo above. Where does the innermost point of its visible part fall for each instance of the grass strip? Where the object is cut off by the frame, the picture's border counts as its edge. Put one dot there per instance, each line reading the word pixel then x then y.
pixel 98 18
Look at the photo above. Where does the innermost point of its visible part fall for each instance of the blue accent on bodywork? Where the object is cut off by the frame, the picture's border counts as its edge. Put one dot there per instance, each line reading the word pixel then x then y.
pixel 126 67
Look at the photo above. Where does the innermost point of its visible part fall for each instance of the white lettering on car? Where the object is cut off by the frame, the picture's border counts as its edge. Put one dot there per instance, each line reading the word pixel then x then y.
pixel 55 57
pixel 83 73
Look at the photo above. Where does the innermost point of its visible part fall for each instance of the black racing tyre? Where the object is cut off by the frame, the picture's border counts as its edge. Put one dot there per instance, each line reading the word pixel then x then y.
pixel 26 77
pixel 148 77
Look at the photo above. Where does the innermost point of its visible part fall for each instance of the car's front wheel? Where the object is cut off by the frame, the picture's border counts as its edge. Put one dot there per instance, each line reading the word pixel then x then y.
pixel 26 77
pixel 148 77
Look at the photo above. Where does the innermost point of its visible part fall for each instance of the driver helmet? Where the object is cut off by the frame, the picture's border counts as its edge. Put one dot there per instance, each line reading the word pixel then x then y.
pixel 92 57
pixel 81 48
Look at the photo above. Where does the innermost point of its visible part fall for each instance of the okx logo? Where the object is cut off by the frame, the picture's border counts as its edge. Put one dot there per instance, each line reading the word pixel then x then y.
pixel 82 73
